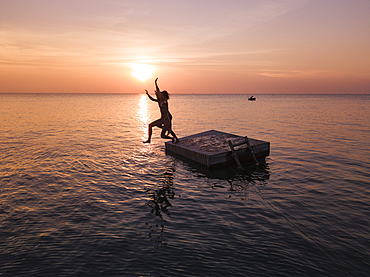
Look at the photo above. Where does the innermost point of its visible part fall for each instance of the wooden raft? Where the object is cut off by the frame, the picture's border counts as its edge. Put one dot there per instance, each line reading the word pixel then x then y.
pixel 213 149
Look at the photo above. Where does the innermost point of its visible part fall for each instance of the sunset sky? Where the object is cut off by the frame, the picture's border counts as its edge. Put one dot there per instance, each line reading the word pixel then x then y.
pixel 193 46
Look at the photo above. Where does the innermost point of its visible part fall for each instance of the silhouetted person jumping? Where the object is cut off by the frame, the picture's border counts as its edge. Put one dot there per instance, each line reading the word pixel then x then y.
pixel 165 122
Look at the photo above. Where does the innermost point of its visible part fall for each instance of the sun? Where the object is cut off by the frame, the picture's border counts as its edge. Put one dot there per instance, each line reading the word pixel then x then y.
pixel 142 71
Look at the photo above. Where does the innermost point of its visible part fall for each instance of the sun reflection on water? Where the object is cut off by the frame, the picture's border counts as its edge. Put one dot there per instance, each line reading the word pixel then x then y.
pixel 143 114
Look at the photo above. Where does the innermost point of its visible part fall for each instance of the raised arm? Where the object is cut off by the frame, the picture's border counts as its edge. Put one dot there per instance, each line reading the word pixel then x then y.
pixel 151 98
pixel 156 85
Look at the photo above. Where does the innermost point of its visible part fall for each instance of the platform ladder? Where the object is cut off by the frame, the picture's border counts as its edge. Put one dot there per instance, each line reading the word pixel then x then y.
pixel 235 155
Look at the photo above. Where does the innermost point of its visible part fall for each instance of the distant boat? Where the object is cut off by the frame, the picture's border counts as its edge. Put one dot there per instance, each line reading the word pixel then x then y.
pixel 252 98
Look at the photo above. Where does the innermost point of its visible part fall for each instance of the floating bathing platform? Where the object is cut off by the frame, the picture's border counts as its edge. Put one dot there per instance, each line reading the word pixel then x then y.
pixel 215 149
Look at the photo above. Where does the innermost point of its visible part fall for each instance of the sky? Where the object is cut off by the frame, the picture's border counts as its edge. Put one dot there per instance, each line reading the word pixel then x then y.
pixel 192 46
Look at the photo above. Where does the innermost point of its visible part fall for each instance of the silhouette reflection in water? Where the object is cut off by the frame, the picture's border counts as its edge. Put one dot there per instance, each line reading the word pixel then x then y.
pixel 159 203
pixel 160 196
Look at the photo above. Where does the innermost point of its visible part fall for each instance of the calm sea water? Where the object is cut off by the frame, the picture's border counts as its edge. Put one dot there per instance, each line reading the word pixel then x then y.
pixel 81 195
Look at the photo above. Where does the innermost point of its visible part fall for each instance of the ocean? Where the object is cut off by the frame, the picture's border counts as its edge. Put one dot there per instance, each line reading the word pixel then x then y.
pixel 82 195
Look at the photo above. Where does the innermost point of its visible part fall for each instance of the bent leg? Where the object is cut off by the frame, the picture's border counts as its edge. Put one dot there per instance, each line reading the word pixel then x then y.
pixel 166 128
pixel 163 134
pixel 157 123
pixel 174 135
pixel 170 131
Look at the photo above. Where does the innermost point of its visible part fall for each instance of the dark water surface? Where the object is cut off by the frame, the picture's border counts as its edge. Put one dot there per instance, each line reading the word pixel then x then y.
pixel 81 195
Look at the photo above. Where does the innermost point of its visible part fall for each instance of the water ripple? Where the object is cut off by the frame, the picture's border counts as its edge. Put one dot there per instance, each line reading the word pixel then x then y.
pixel 82 195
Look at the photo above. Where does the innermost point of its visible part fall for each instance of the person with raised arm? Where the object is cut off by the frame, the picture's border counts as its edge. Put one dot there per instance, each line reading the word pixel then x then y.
pixel 165 122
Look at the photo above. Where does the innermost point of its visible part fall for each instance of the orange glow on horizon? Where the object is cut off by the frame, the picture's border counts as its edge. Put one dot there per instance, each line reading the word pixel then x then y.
pixel 264 47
